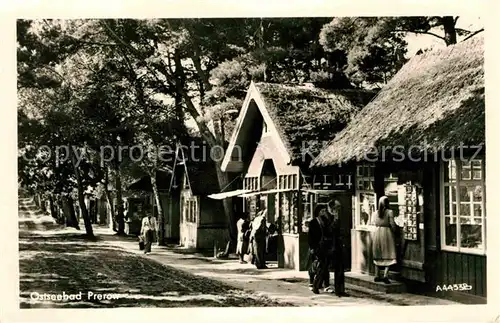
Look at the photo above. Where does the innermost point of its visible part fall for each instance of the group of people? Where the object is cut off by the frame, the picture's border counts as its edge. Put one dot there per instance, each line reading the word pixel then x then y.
pixel 326 249
pixel 254 239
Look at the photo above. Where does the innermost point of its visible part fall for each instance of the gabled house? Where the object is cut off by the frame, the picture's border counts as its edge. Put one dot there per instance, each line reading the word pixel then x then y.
pixel 421 142
pixel 278 131
pixel 202 221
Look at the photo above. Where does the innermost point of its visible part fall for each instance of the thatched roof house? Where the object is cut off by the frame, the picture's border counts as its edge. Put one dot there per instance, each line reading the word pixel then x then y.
pixel 302 116
pixel 435 102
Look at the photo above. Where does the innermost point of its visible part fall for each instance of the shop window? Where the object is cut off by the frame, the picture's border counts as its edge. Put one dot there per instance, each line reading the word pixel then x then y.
pixel 365 200
pixel 307 206
pixel 463 220
pixel 289 212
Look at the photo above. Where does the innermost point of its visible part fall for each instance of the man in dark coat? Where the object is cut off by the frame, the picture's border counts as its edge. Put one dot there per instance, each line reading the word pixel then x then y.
pixel 258 240
pixel 335 209
pixel 320 240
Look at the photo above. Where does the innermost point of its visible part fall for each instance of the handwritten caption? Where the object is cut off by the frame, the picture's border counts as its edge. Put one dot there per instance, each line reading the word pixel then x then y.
pixel 453 287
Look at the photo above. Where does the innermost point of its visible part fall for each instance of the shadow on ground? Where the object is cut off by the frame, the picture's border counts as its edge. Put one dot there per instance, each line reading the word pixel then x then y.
pixel 69 263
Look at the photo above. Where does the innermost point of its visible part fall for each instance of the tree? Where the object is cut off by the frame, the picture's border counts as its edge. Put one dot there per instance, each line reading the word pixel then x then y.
pixel 375 46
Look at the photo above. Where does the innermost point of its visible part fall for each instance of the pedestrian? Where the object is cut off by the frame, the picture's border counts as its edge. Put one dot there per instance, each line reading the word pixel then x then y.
pixel 149 228
pixel 335 210
pixel 242 246
pixel 271 242
pixel 313 241
pixel 258 240
pixel 384 247
pixel 321 243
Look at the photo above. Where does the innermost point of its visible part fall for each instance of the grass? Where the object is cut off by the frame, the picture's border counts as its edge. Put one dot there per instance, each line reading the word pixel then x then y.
pixel 67 263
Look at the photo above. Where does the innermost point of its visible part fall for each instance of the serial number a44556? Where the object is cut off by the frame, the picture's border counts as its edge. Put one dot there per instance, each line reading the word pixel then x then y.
pixel 454 287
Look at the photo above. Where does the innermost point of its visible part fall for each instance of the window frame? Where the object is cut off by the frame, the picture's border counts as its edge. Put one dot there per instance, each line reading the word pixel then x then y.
pixel 357 211
pixel 442 186
pixel 191 209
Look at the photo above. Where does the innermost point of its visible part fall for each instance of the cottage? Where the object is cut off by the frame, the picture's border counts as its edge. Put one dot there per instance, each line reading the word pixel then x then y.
pixel 421 142
pixel 278 131
pixel 202 221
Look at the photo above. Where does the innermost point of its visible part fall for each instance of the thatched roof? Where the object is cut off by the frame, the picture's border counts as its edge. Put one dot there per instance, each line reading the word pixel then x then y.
pixel 307 116
pixel 435 102
pixel 201 170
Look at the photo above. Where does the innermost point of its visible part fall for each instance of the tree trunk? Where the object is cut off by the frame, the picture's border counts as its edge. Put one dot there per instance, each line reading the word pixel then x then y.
pixel 109 198
pixel 43 205
pixel 81 199
pixel 450 33
pixel 53 212
pixel 120 217
pixel 68 207
pixel 161 216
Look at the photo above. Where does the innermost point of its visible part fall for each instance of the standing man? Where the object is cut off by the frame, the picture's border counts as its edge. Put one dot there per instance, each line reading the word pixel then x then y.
pixel 335 210
pixel 321 245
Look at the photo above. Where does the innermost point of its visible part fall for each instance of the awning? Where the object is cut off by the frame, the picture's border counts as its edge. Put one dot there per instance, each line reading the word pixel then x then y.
pixel 323 192
pixel 223 195
pixel 267 192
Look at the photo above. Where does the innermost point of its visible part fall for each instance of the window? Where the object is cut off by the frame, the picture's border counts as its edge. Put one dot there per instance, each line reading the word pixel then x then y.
pixel 265 129
pixel 392 190
pixel 288 181
pixel 251 183
pixel 191 209
pixel 463 220
pixel 307 206
pixel 366 204
pixel 289 212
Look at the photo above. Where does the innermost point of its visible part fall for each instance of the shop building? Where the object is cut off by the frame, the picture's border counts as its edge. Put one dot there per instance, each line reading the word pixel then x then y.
pixel 421 142
pixel 278 131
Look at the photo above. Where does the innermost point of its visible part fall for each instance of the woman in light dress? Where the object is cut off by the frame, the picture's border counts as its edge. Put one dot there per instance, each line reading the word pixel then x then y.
pixel 243 236
pixel 384 246
pixel 149 228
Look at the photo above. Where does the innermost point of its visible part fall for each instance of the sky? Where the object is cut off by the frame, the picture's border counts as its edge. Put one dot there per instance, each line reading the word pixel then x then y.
pixel 422 41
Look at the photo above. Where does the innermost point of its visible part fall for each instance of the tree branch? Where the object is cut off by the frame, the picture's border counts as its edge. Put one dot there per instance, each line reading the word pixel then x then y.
pixel 473 34
pixel 419 32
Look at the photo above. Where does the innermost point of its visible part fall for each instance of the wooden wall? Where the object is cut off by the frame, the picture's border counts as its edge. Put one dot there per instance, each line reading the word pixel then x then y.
pixel 457 268
pixel 445 267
